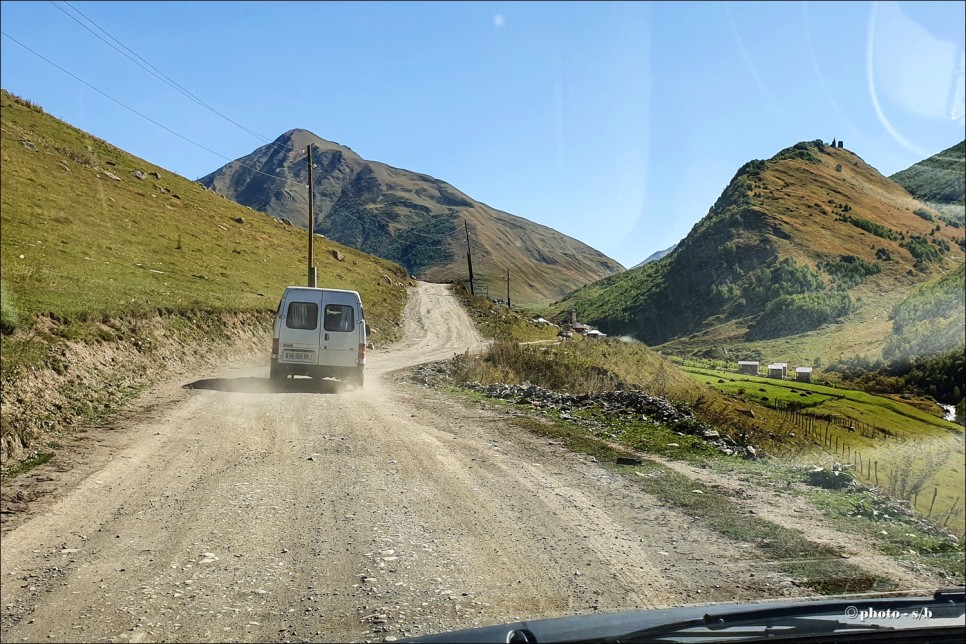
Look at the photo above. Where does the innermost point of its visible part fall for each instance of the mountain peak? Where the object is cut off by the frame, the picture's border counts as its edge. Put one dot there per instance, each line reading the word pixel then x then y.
pixel 407 217
pixel 299 139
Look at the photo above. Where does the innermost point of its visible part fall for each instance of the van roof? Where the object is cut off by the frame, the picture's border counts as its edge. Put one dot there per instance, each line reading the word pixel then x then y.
pixel 318 288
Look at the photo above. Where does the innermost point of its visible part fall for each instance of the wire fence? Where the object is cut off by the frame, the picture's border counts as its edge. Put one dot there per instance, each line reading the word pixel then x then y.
pixel 808 421
pixel 906 475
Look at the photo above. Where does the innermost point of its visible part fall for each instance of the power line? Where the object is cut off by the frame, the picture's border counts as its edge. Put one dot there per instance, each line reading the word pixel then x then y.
pixel 154 71
pixel 149 119
pixel 111 98
pixel 157 73
pixel 203 147
pixel 138 60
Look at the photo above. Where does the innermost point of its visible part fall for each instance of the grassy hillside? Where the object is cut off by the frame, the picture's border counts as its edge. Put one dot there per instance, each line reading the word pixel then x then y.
pixel 902 449
pixel 811 244
pixel 101 249
pixel 80 245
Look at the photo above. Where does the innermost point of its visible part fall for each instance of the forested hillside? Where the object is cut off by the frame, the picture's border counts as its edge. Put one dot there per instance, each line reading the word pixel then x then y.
pixel 931 319
pixel 940 182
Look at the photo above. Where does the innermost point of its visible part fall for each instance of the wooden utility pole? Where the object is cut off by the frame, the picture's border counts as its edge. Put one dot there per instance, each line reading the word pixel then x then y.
pixel 312 280
pixel 508 288
pixel 469 257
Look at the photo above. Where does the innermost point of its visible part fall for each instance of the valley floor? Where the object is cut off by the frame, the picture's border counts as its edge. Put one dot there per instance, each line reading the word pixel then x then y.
pixel 225 509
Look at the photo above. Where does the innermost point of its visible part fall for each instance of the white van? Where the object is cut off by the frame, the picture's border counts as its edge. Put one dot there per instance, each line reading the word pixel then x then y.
pixel 319 332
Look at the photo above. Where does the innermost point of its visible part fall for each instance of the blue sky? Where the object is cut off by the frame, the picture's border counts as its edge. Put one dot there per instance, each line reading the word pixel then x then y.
pixel 618 124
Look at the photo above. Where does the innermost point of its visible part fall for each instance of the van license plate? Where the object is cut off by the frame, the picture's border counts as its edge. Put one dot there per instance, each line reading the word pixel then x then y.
pixel 302 356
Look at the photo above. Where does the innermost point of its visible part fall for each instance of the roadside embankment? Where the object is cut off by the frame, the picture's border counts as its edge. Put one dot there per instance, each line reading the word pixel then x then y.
pixel 58 378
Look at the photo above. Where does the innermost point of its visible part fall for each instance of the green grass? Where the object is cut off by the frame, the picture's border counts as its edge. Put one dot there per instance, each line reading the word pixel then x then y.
pixel 607 435
pixel 27 465
pixel 891 531
pixel 820 567
pixel 581 366
pixel 640 436
pixel 78 245
pixel 898 535
pixel 859 405
pixel 921 453
pixel 921 456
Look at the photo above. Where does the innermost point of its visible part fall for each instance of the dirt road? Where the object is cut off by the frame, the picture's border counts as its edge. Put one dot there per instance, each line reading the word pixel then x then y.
pixel 229 511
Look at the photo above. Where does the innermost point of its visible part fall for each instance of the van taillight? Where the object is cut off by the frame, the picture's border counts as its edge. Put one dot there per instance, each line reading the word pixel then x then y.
pixel 362 352
pixel 274 347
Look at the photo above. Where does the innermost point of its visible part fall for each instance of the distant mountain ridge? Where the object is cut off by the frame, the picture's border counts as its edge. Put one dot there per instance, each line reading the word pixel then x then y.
pixel 408 217
pixel 653 257
pixel 813 236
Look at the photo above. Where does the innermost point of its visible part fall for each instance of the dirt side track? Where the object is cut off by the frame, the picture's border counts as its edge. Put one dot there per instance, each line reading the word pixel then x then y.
pixel 232 511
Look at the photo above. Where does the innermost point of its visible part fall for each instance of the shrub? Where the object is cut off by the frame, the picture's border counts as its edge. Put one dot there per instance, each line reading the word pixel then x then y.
pixel 868 226
pixel 560 369
pixel 27 103
pixel 830 479
pixel 849 271
pixel 801 150
pixel 920 248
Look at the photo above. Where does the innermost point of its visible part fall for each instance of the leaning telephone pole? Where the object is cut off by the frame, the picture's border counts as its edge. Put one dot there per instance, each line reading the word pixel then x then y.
pixel 312 277
pixel 469 257
pixel 508 288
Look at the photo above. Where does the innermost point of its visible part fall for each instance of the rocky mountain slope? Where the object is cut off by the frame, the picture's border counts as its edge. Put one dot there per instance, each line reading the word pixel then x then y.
pixel 410 218
pixel 812 239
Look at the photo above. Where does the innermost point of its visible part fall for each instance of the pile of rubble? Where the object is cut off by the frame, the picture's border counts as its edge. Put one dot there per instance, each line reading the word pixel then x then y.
pixel 636 404
pixel 649 408
pixel 629 404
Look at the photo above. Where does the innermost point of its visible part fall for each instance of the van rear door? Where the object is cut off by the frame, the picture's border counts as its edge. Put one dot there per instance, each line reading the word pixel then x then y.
pixel 341 315
pixel 300 339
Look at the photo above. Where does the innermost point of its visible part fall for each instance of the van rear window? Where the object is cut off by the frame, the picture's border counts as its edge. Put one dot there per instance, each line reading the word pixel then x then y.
pixel 302 315
pixel 339 317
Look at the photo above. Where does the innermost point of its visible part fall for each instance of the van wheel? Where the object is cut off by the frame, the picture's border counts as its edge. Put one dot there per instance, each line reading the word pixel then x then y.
pixel 359 380
pixel 275 372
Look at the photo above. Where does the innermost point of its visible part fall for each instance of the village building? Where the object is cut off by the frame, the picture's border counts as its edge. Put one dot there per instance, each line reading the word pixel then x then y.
pixel 748 366
pixel 803 374
pixel 778 370
pixel 571 324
